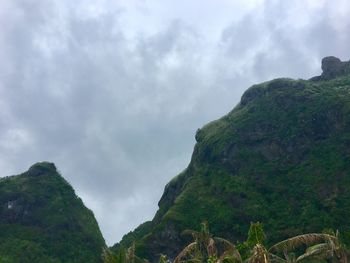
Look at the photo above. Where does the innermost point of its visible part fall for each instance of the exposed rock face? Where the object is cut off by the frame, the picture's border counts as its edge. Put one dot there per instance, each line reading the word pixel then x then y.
pixel 42 220
pixel 280 157
pixel 333 67
pixel 42 169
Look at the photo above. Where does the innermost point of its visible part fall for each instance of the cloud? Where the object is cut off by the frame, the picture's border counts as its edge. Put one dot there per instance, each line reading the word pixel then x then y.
pixel 113 92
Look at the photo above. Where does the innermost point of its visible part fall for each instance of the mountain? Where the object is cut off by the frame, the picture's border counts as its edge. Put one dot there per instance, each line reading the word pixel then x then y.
pixel 42 220
pixel 281 157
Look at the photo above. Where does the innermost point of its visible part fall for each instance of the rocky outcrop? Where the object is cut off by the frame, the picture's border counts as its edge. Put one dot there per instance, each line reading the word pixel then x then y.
pixel 42 168
pixel 333 67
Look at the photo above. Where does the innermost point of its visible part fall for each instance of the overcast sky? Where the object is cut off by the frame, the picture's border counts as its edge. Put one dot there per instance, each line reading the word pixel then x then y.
pixel 112 92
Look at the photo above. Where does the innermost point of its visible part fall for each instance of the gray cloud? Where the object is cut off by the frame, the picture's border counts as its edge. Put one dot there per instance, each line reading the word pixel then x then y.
pixel 115 101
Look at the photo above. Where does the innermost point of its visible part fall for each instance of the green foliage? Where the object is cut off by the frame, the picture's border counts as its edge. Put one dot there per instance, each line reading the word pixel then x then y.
pixel 23 251
pixel 138 233
pixel 280 157
pixel 109 256
pixel 122 256
pixel 256 235
pixel 42 219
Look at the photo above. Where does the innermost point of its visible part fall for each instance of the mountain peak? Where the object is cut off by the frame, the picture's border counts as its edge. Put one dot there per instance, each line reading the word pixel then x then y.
pixel 41 218
pixel 42 168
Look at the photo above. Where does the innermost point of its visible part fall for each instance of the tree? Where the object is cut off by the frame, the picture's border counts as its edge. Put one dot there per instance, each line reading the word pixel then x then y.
pixel 207 248
pixel 123 256
pixel 255 244
pixel 332 248
pixel 318 246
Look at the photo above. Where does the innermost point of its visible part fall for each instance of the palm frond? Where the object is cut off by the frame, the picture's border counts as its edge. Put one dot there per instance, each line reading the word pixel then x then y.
pixel 298 241
pixel 163 258
pixel 319 250
pixel 224 241
pixel 276 259
pixel 185 252
pixel 230 250
pixel 231 256
pixel 211 248
pixel 260 255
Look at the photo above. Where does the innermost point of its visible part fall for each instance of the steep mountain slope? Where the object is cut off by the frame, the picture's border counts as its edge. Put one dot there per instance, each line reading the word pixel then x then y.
pixel 42 220
pixel 281 157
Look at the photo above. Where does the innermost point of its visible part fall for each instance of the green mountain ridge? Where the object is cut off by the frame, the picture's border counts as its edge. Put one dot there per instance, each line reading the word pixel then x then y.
pixel 281 157
pixel 42 220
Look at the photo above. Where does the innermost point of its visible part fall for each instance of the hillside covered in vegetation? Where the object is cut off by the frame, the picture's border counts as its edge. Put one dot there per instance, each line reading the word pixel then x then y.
pixel 280 157
pixel 42 220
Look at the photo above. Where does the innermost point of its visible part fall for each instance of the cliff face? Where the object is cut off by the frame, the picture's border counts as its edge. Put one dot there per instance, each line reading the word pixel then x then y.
pixel 42 220
pixel 280 157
